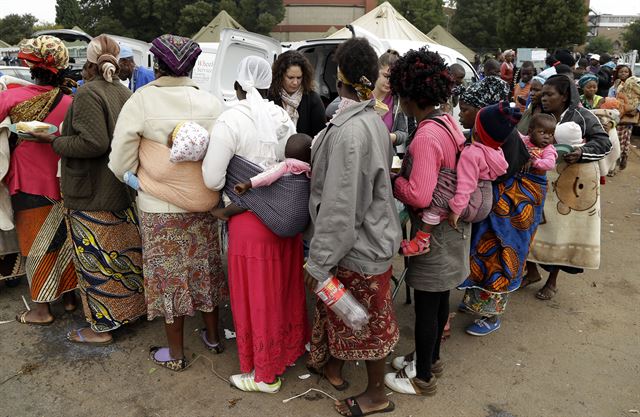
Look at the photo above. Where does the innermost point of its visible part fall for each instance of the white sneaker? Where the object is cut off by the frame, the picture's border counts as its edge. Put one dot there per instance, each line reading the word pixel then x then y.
pixel 400 362
pixel 404 384
pixel 247 383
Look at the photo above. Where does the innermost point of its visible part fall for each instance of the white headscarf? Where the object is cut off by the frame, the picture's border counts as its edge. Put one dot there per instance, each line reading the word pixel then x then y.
pixel 255 73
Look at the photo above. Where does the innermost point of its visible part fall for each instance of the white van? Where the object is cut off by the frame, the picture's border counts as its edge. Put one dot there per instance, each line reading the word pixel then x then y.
pixel 235 45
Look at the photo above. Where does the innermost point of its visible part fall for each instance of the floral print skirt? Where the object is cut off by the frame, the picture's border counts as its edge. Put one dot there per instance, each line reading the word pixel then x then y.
pixel 332 337
pixel 182 264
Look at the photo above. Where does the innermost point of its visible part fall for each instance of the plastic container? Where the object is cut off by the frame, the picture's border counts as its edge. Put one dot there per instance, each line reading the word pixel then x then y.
pixel 342 303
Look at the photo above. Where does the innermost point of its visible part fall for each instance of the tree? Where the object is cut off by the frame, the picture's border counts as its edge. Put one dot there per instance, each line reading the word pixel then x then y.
pixel 194 16
pixel 599 45
pixel 68 13
pixel 475 23
pixel 15 27
pixel 46 26
pixel 424 14
pixel 543 23
pixel 631 36
pixel 259 16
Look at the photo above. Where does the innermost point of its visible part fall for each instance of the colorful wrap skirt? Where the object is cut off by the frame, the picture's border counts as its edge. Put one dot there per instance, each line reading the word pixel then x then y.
pixel 182 264
pixel 500 244
pixel 332 337
pixel 108 258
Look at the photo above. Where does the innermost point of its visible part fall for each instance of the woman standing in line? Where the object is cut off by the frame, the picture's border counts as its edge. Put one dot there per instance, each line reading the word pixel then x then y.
pixel 627 90
pixel 33 183
pixel 100 214
pixel 180 250
pixel 293 89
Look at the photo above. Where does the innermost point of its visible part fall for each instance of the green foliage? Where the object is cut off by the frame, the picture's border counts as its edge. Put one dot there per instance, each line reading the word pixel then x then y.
pixel 194 16
pixel 631 36
pixel 68 13
pixel 542 23
pixel 599 45
pixel 46 26
pixel 475 23
pixel 15 27
pixel 424 14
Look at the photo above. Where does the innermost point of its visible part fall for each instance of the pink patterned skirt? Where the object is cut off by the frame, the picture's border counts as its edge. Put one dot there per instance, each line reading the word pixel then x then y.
pixel 267 293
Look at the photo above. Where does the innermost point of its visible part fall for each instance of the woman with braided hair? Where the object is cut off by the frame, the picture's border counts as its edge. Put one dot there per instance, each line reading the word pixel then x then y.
pixel 422 80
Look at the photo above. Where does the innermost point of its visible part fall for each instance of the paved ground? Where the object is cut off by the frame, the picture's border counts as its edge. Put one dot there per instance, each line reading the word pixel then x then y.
pixel 577 355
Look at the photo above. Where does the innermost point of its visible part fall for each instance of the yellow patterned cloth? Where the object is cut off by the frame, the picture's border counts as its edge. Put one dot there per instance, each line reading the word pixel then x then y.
pixel 46 52
pixel 108 259
pixel 364 88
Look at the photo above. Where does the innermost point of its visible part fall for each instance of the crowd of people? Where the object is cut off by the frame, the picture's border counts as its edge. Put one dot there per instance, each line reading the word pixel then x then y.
pixel 123 203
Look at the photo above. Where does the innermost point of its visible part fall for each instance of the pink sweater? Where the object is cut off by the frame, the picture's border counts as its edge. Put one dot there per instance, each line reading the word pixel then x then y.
pixel 541 158
pixel 433 147
pixel 271 175
pixel 477 162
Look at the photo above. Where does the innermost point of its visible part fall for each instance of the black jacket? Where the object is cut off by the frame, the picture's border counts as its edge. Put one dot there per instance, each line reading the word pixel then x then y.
pixel 311 113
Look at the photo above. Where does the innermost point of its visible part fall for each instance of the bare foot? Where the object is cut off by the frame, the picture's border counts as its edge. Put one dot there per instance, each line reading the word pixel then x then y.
pixel 70 301
pixel 88 336
pixel 366 404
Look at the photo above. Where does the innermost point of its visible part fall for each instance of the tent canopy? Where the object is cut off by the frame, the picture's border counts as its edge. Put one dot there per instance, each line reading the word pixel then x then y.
pixel 443 37
pixel 211 32
pixel 387 23
pixel 3 44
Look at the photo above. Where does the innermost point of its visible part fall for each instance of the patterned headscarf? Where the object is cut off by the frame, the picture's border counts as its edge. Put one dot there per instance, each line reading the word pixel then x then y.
pixel 47 52
pixel 586 78
pixel 364 89
pixel 176 52
pixel 484 93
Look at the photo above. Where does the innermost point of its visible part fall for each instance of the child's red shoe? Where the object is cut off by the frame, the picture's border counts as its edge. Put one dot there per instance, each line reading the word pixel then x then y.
pixel 419 245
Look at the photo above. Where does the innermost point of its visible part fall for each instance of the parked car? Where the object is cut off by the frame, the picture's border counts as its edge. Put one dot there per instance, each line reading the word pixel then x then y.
pixel 19 72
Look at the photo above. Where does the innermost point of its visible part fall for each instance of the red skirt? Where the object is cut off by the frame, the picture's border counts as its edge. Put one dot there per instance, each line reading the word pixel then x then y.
pixel 266 288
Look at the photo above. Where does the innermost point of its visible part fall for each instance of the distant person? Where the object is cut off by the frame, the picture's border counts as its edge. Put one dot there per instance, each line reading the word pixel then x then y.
pixel 594 63
pixel 457 73
pixel 589 85
pixel 477 63
pixel 522 88
pixel 138 76
pixel 491 68
pixel 507 68
pixel 627 90
pixel 581 69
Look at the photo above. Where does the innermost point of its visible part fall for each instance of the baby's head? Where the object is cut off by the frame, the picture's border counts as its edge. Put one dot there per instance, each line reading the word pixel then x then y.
pixel 569 133
pixel 541 129
pixel 298 147
pixel 188 142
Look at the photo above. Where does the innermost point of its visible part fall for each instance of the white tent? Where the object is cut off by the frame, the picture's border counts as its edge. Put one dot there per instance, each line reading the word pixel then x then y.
pixel 211 32
pixel 386 23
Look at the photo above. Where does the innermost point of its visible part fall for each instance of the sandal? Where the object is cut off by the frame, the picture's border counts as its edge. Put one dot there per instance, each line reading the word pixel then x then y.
pixel 526 281
pixel 355 410
pixel 419 245
pixel 216 348
pixel 340 387
pixel 83 341
pixel 175 365
pixel 22 318
pixel 546 293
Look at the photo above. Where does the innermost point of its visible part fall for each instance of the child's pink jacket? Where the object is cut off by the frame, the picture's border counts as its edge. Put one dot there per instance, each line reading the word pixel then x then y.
pixel 477 162
pixel 271 175
pixel 543 159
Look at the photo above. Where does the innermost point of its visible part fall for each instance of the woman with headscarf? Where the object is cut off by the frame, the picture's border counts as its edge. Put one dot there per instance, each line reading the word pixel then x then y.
pixel 180 250
pixel 626 89
pixel 499 244
pixel 356 232
pixel 588 83
pixel 569 238
pixel 533 104
pixel 293 89
pixel 32 179
pixel 265 270
pixel 100 216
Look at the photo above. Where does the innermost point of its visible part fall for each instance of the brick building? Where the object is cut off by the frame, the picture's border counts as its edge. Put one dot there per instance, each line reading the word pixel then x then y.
pixel 309 19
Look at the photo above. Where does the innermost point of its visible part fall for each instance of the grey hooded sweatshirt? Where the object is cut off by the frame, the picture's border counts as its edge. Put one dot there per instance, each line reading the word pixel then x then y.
pixel 355 223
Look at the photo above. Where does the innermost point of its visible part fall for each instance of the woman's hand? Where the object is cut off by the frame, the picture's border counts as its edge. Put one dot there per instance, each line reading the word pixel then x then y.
pixel 242 188
pixel 526 167
pixel 573 157
pixel 453 220
pixel 42 137
pixel 393 138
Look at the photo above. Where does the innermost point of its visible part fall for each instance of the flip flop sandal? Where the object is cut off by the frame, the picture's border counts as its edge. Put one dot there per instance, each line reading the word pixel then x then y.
pixel 340 387
pixel 176 365
pixel 22 318
pixel 546 293
pixel 355 410
pixel 81 340
pixel 217 348
pixel 526 282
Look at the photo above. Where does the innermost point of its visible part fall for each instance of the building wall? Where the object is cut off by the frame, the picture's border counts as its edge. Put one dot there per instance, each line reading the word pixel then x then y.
pixel 612 27
pixel 308 19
